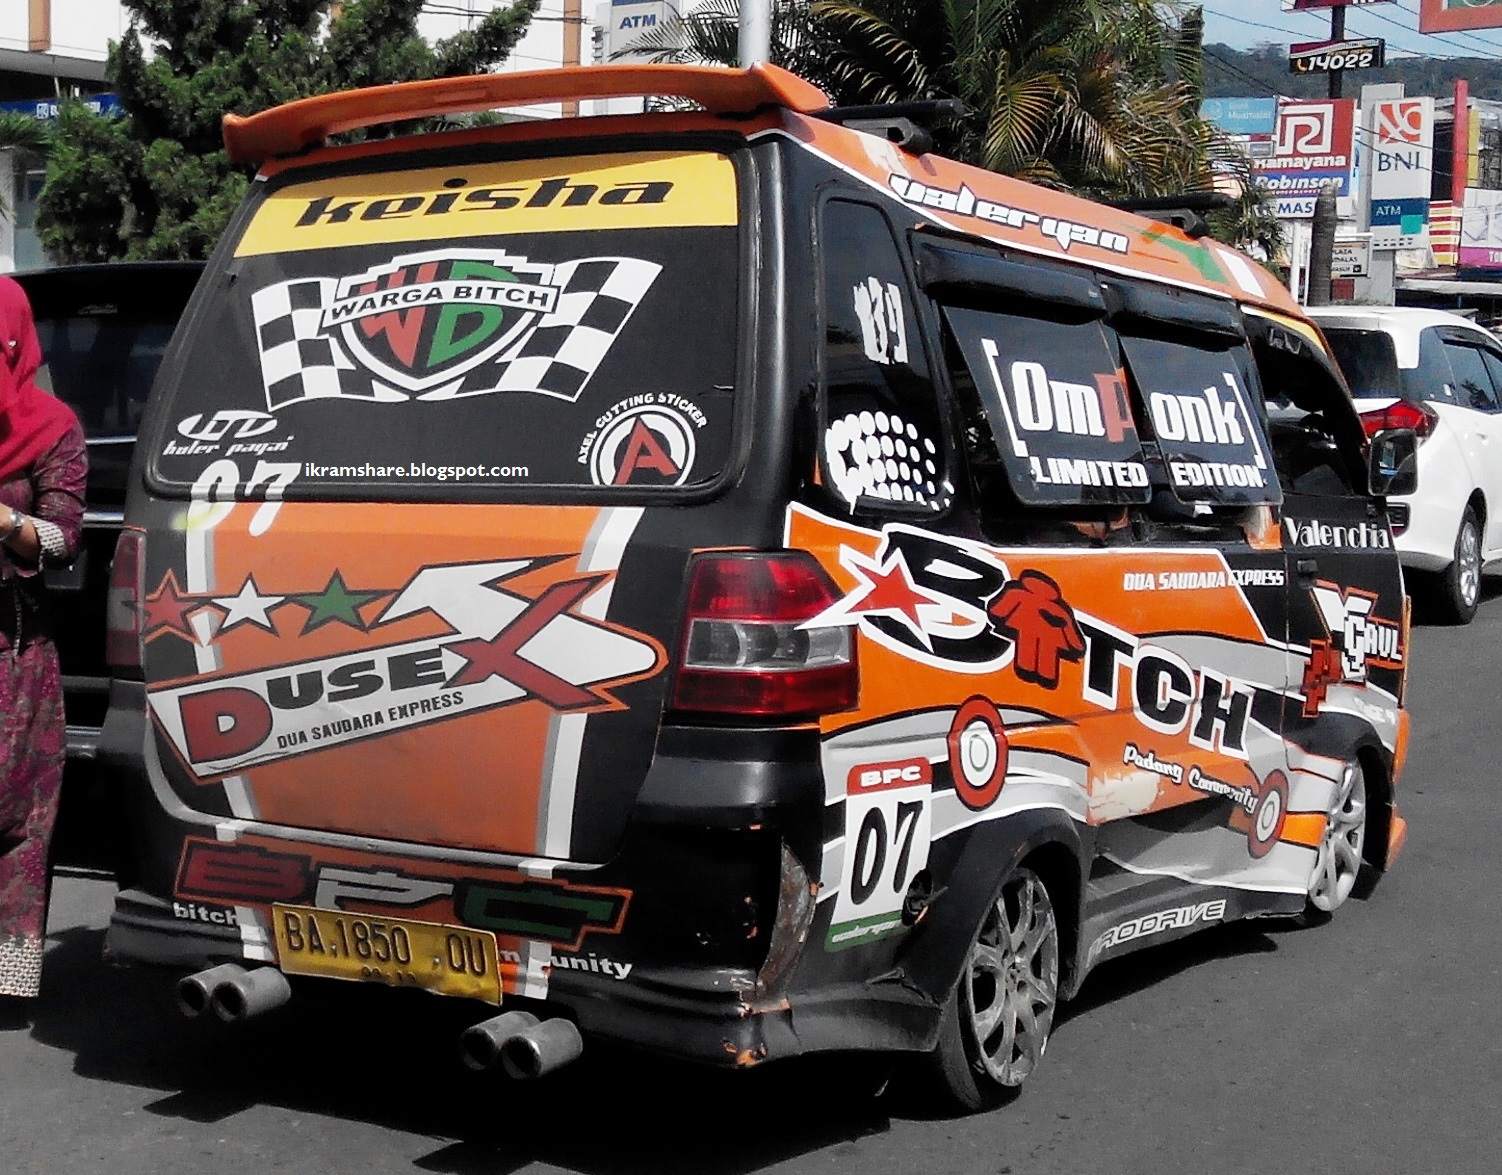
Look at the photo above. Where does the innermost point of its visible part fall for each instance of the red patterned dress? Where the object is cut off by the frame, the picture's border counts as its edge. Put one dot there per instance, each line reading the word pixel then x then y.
pixel 31 706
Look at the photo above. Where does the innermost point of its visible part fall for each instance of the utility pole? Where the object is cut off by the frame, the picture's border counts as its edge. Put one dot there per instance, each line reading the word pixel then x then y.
pixel 1337 33
pixel 573 36
pixel 755 32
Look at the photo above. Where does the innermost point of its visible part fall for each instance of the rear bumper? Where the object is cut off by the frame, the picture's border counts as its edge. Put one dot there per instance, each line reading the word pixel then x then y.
pixel 708 1016
pixel 83 742
pixel 718 859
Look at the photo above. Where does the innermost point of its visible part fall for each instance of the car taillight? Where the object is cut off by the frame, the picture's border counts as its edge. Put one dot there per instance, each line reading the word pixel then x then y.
pixel 744 650
pixel 1400 414
pixel 122 625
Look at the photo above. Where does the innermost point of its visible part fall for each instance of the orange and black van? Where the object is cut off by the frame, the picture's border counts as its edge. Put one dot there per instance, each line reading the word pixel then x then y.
pixel 734 583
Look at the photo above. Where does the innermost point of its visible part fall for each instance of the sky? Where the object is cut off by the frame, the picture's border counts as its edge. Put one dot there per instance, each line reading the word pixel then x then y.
pixel 1241 25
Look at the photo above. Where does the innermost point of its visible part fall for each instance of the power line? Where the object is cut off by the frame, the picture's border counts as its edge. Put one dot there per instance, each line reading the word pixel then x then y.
pixel 1291 34
pixel 1437 36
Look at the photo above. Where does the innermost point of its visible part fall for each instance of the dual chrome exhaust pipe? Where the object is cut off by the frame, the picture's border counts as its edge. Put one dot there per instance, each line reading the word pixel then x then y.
pixel 523 1046
pixel 520 1044
pixel 232 993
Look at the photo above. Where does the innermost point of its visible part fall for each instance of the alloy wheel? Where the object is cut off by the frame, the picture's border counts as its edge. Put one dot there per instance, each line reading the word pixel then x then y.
pixel 1468 555
pixel 1013 983
pixel 1338 863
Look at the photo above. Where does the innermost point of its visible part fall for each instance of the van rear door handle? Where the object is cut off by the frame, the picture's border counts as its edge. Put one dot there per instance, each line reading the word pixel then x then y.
pixel 1306 570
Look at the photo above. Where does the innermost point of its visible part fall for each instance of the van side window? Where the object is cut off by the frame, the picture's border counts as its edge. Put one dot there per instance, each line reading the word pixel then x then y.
pixel 1473 383
pixel 1043 396
pixel 883 431
pixel 1316 434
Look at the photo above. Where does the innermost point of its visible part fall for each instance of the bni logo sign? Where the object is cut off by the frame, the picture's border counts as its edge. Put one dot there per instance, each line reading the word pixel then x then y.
pixel 1400 122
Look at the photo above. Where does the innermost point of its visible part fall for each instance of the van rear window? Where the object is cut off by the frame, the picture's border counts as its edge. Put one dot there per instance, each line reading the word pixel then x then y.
pixel 452 331
pixel 1368 360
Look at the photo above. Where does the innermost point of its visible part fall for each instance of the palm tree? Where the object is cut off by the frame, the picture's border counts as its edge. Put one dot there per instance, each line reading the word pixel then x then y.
pixel 1084 94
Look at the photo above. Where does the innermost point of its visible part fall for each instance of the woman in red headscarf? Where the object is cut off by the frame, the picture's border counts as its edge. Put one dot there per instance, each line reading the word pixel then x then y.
pixel 43 466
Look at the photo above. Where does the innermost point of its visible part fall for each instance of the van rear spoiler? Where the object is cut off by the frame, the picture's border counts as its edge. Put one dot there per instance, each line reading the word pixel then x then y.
pixel 287 129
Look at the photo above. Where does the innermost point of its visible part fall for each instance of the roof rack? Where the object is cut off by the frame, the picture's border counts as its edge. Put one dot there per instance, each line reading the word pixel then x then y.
pixel 1184 210
pixel 903 123
pixel 295 126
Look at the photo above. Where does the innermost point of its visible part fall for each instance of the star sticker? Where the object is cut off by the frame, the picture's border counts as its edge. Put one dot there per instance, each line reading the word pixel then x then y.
pixel 886 589
pixel 247 606
pixel 167 610
pixel 335 602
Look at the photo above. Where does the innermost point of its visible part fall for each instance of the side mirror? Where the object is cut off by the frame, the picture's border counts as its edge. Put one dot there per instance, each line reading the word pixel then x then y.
pixel 1394 463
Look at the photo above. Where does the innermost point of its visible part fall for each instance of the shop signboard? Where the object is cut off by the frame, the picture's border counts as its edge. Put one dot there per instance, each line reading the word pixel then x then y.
pixel 1402 141
pixel 1313 146
pixel 1352 256
pixel 1481 230
pixel 1448 16
pixel 1337 56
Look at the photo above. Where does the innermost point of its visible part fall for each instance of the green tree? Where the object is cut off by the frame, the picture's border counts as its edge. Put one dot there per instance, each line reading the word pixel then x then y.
pixel 155 182
pixel 1085 94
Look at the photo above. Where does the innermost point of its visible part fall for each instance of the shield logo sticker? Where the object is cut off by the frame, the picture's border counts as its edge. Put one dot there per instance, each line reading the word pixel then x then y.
pixel 422 320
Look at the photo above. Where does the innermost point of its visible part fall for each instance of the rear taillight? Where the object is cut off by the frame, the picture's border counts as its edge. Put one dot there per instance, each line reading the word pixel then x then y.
pixel 745 652
pixel 122 624
pixel 1400 414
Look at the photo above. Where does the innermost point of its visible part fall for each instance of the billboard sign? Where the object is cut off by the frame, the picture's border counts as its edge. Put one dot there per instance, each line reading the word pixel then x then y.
pixel 1481 230
pixel 1402 157
pixel 626 22
pixel 1352 256
pixel 1242 116
pixel 1337 56
pixel 1448 16
pixel 1315 144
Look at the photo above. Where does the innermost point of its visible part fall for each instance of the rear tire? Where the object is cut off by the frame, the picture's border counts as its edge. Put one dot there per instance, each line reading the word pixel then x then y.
pixel 1458 590
pixel 996 1023
pixel 1341 869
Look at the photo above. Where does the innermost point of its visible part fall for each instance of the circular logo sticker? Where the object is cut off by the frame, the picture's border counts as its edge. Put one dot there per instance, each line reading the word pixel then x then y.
pixel 977 753
pixel 1268 815
pixel 649 445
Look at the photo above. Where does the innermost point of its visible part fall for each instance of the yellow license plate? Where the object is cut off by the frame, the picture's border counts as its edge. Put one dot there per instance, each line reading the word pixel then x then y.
pixel 451 960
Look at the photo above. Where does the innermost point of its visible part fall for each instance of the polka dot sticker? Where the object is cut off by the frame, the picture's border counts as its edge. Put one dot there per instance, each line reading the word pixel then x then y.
pixel 881 455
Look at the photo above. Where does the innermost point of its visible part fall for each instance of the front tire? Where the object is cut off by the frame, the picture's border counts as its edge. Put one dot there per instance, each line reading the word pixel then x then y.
pixel 996 1024
pixel 1459 588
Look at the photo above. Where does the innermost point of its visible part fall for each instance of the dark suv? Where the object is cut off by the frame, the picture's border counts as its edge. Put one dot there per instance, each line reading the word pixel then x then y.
pixel 104 329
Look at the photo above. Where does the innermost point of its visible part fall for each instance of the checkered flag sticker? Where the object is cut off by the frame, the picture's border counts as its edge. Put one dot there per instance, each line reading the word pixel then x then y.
pixel 305 357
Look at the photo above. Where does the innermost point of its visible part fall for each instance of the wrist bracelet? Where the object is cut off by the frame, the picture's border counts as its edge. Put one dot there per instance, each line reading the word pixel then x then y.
pixel 17 521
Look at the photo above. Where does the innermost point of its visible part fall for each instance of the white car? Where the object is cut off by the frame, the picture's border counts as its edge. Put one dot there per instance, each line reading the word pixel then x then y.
pixel 1440 375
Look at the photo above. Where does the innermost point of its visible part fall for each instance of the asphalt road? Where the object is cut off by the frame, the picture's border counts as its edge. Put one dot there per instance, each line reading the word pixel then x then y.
pixel 1372 1044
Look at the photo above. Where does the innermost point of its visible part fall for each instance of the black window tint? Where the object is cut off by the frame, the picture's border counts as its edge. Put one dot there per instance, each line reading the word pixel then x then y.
pixel 103 367
pixel 1057 408
pixel 1472 382
pixel 470 357
pixel 1368 360
pixel 1432 379
pixel 883 434
pixel 1208 425
pixel 1494 369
